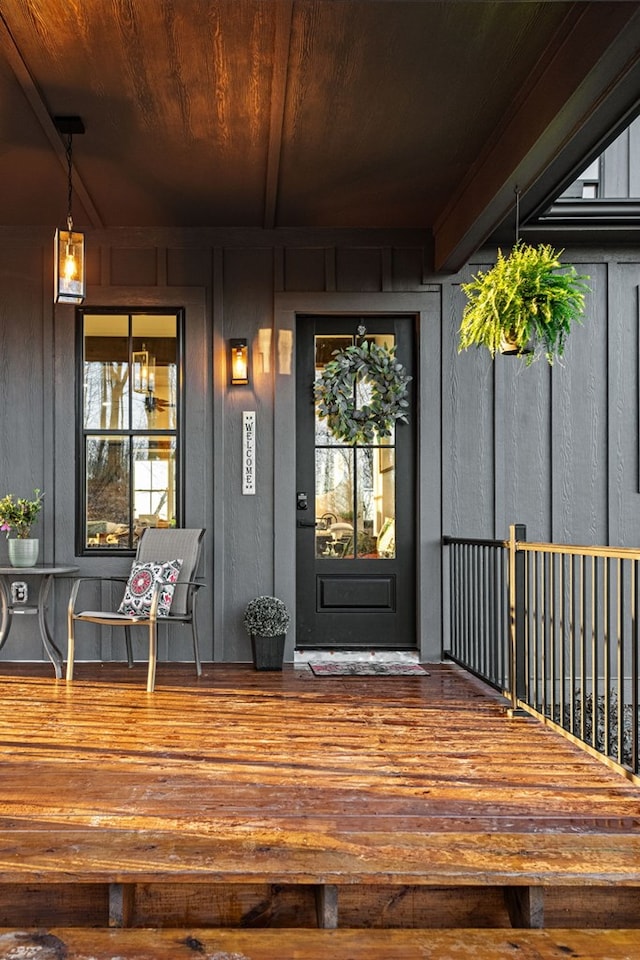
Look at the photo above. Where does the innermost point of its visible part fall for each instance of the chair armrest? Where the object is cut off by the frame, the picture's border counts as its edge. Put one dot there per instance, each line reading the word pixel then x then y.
pixel 122 579
pixel 155 596
pixel 192 585
pixel 78 581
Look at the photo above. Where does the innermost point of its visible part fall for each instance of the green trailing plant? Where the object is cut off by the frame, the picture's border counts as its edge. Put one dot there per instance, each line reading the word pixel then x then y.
pixel 527 301
pixel 266 617
pixel 385 383
pixel 19 514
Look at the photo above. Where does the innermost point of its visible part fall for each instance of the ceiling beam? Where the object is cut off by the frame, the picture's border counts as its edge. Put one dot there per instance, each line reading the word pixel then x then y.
pixel 588 81
pixel 41 110
pixel 281 44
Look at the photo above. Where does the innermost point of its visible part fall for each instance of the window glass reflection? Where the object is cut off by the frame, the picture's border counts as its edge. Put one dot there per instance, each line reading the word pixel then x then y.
pixel 106 372
pixel 154 372
pixel 130 391
pixel 107 509
pixel 154 482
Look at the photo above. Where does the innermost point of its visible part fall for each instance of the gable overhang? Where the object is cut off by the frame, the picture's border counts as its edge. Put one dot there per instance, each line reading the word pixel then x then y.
pixel 570 113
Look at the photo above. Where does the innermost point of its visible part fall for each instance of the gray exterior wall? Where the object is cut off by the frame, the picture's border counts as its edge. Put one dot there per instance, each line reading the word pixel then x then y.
pixel 620 167
pixel 556 449
pixel 618 170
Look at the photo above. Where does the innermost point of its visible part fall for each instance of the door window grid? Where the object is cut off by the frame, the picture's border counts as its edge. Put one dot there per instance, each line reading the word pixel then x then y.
pixel 355 484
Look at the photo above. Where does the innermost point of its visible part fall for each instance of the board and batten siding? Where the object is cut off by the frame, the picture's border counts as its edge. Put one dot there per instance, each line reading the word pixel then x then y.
pixel 620 173
pixel 556 449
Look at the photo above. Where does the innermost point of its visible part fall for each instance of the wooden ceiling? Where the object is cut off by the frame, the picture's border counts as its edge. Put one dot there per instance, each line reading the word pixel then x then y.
pixel 309 113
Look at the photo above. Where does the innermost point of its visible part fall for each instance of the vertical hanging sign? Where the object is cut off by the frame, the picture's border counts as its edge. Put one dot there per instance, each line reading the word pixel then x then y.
pixel 249 452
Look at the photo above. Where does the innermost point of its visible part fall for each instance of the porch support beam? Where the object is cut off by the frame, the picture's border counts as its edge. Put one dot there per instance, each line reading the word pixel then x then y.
pixel 327 905
pixel 121 904
pixel 583 93
pixel 525 906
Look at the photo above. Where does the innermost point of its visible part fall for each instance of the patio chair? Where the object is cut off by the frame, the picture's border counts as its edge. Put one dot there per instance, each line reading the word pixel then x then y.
pixel 159 589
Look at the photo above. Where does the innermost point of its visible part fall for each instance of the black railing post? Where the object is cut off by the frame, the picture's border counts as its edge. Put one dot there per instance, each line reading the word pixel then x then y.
pixel 517 533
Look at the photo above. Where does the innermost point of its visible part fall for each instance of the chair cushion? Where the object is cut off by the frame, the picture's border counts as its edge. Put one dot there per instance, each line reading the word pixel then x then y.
pixel 139 590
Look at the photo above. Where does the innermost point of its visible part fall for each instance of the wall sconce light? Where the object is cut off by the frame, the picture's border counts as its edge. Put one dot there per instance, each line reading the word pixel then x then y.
pixel 239 357
pixel 68 245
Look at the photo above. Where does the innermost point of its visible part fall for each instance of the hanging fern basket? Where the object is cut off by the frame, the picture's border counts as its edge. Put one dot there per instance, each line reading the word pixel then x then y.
pixel 362 393
pixel 528 300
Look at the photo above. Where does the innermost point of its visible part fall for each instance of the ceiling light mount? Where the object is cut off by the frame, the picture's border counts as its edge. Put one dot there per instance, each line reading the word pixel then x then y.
pixel 69 125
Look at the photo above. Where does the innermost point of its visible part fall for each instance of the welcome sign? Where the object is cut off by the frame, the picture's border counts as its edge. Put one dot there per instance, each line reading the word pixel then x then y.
pixel 249 452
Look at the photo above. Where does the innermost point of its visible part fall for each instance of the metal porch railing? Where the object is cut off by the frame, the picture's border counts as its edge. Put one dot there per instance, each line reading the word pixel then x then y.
pixel 555 629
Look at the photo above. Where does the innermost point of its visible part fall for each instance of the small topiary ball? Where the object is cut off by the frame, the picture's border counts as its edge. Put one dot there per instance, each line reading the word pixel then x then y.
pixel 266 617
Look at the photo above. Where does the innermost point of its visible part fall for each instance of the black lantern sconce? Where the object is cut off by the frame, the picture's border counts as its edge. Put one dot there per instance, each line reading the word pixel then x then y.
pixel 68 245
pixel 239 362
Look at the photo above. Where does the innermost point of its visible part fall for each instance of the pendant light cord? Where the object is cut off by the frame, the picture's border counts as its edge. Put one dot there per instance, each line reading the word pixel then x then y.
pixel 69 172
pixel 517 193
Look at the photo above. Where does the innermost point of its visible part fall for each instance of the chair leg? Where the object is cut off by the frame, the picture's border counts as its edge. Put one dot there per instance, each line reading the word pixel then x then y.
pixel 70 648
pixel 153 653
pixel 127 640
pixel 196 646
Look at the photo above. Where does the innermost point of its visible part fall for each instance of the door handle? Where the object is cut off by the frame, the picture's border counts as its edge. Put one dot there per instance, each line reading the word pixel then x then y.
pixel 306 523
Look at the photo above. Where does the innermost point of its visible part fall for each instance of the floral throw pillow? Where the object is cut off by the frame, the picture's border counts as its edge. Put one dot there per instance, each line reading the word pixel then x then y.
pixel 139 590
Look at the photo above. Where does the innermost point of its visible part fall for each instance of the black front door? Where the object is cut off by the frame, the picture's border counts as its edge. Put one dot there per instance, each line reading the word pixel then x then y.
pixel 355 506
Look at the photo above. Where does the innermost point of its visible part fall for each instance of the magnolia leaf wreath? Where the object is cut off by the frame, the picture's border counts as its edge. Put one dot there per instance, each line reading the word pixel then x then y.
pixel 375 367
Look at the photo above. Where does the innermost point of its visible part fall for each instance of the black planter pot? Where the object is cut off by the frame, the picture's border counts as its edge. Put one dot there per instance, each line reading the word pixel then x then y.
pixel 268 652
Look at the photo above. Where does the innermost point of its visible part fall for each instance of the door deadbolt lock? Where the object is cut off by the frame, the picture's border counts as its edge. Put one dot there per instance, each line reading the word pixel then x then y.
pixel 302 501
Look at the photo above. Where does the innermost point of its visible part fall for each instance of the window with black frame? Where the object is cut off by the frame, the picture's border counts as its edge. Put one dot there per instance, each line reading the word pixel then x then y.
pixel 130 409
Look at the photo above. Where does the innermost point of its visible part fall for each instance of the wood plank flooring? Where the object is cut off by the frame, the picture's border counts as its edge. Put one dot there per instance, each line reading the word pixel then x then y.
pixel 73 944
pixel 247 778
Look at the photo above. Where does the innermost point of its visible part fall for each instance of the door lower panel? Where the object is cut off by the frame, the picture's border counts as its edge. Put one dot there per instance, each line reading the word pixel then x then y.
pixel 356 593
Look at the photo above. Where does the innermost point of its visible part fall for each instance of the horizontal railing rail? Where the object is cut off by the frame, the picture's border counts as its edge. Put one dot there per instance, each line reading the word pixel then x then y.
pixel 555 628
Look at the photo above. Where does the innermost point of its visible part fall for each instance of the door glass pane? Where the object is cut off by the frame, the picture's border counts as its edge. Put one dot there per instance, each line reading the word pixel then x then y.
pixel 364 388
pixel 346 478
pixel 107 483
pixel 154 482
pixel 154 371
pixel 334 501
pixel 106 372
pixel 325 347
pixel 384 502
pixel 375 501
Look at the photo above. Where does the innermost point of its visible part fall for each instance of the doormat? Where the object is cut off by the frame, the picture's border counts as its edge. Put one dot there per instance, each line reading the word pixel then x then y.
pixel 356 668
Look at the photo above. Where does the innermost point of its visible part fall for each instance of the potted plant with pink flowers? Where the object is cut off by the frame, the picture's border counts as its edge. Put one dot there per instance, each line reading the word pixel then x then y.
pixel 18 515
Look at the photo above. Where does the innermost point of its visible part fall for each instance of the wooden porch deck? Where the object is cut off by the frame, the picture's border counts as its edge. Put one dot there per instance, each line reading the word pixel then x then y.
pixel 249 799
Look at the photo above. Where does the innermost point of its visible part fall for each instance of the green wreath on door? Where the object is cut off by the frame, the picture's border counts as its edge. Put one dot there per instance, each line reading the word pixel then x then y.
pixel 335 393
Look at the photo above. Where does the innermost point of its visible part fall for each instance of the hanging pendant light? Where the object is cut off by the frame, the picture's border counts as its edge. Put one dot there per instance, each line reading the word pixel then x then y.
pixel 68 245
